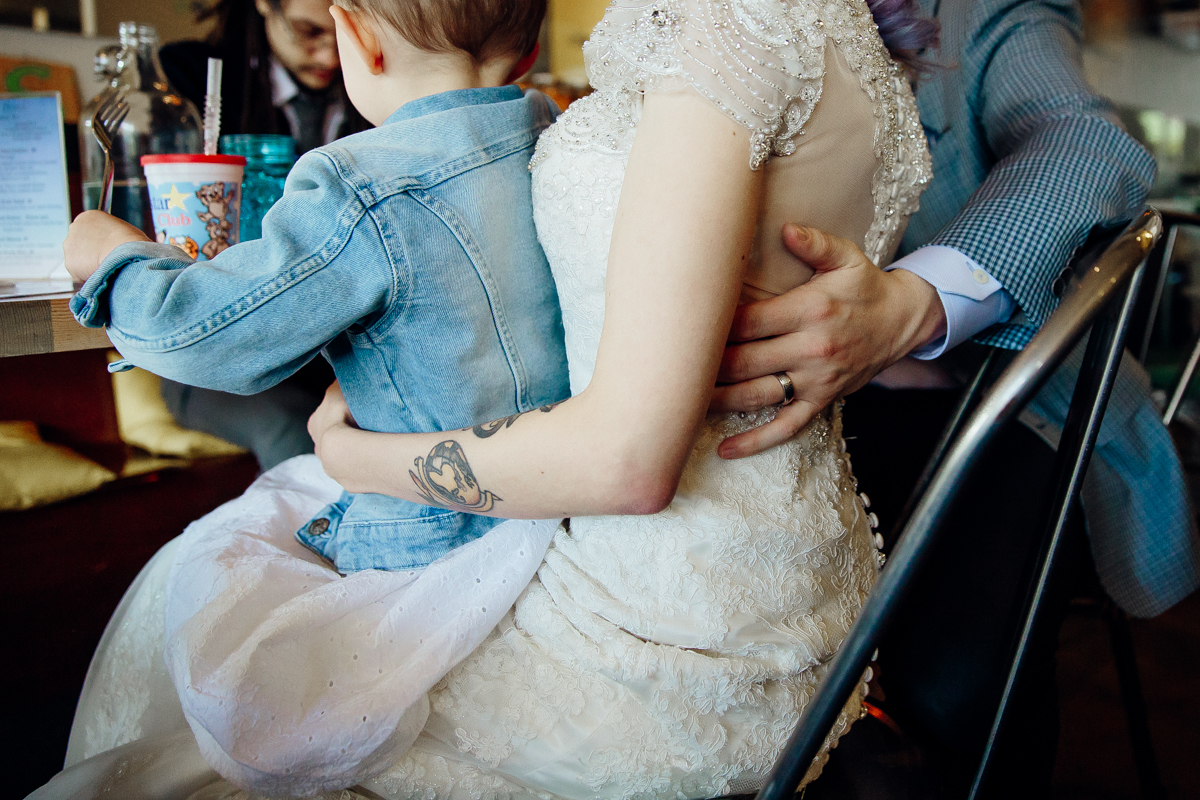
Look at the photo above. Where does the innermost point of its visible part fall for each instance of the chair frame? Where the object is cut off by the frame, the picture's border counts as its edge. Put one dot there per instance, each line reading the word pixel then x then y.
pixel 1105 295
pixel 1172 222
pixel 1120 636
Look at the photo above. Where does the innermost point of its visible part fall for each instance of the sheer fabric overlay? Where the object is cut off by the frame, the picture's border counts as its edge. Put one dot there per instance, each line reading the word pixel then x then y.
pixel 293 677
pixel 660 656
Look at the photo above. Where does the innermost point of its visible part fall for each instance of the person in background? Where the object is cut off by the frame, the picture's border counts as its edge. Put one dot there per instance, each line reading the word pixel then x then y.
pixel 281 75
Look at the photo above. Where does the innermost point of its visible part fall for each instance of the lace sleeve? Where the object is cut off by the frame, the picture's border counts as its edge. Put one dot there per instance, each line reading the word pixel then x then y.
pixel 759 61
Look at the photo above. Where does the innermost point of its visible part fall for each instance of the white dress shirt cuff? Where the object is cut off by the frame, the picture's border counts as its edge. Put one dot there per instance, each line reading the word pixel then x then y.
pixel 972 299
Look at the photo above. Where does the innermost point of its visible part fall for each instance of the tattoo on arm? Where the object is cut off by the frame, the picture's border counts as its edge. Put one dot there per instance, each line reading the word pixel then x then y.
pixel 495 426
pixel 445 479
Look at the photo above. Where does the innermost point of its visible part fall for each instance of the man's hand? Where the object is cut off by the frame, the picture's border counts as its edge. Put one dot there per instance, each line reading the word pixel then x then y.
pixel 831 336
pixel 91 237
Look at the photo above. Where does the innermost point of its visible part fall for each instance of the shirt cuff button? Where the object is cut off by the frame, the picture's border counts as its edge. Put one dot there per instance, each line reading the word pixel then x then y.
pixel 980 276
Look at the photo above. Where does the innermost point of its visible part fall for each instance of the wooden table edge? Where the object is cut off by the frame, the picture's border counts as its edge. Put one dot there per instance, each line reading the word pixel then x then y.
pixel 44 325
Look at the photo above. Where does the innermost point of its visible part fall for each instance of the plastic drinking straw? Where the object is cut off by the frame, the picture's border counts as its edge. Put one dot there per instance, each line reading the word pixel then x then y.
pixel 212 107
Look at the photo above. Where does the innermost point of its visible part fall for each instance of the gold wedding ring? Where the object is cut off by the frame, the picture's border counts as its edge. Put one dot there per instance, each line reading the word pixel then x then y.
pixel 789 388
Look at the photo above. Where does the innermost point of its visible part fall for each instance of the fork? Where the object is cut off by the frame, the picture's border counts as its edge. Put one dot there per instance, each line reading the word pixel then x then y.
pixel 105 122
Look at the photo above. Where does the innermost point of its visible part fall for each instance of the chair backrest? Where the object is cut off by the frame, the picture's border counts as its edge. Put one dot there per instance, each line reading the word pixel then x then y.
pixel 1148 314
pixel 1104 295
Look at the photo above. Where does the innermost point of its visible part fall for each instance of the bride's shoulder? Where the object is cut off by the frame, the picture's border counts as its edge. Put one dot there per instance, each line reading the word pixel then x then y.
pixel 760 61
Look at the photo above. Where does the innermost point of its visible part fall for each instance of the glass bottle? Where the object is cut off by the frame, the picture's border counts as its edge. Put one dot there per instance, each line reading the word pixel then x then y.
pixel 269 158
pixel 160 120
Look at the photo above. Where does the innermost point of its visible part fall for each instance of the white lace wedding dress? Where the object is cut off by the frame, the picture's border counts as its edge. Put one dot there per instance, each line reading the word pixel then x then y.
pixel 658 656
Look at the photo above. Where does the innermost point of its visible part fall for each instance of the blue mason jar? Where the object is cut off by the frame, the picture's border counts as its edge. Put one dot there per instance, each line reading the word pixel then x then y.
pixel 269 158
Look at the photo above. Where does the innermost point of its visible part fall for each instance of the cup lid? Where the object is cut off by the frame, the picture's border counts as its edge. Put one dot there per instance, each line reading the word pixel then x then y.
pixel 193 158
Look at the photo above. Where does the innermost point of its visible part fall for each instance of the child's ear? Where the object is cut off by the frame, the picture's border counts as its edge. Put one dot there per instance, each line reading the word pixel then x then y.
pixel 357 29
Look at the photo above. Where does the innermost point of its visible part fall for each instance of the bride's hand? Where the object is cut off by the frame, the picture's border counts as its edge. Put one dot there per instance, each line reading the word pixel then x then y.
pixel 331 418
pixel 831 336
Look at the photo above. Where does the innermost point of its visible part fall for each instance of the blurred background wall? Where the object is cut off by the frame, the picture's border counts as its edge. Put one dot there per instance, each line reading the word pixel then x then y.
pixel 173 18
pixel 569 23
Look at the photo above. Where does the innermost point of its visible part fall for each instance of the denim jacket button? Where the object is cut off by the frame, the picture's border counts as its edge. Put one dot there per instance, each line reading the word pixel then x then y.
pixel 318 527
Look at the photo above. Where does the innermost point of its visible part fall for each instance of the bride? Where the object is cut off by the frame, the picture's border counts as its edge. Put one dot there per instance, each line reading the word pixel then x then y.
pixel 665 641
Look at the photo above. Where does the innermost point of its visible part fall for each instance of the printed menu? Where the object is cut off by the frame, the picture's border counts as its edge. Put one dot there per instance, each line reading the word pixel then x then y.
pixel 34 207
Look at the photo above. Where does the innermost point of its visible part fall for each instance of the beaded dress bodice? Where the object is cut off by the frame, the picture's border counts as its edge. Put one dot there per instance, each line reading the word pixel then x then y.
pixel 763 63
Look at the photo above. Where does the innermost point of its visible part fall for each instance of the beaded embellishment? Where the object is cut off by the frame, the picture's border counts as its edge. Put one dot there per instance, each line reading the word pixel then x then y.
pixel 762 63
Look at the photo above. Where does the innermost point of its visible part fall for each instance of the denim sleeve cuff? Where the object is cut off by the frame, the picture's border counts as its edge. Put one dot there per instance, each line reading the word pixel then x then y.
pixel 972 299
pixel 90 303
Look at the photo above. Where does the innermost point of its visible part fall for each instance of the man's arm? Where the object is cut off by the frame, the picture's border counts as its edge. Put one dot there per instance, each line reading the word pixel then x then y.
pixel 1063 166
pixel 1063 163
pixel 972 299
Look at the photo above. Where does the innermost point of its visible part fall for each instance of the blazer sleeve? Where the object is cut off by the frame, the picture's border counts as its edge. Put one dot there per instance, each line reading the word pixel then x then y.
pixel 1063 163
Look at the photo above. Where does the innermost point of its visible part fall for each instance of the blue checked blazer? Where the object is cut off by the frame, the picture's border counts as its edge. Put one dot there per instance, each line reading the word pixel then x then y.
pixel 1026 161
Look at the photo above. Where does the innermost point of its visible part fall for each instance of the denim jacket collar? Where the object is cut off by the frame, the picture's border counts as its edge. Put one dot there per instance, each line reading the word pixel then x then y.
pixel 443 101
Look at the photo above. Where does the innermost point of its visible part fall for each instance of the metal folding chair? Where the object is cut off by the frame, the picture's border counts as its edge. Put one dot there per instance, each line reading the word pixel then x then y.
pixel 1103 300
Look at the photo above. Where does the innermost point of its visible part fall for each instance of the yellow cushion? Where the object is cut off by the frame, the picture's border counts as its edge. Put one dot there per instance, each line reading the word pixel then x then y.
pixel 34 473
pixel 145 422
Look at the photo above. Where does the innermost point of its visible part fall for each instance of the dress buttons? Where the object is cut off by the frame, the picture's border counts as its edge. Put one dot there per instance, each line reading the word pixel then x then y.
pixel 980 276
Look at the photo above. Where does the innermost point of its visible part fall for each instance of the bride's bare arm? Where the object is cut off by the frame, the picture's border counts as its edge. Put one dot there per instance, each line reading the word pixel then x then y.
pixel 682 236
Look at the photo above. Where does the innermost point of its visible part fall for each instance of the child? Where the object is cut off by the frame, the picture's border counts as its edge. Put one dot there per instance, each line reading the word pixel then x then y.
pixel 406 254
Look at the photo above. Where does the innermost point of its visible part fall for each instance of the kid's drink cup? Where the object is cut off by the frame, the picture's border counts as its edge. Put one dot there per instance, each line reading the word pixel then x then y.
pixel 195 200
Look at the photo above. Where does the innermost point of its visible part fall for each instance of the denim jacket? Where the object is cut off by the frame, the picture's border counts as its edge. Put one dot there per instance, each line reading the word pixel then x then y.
pixel 408 255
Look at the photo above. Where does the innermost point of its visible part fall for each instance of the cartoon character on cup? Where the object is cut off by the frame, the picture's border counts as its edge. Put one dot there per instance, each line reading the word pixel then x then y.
pixel 218 202
pixel 185 243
